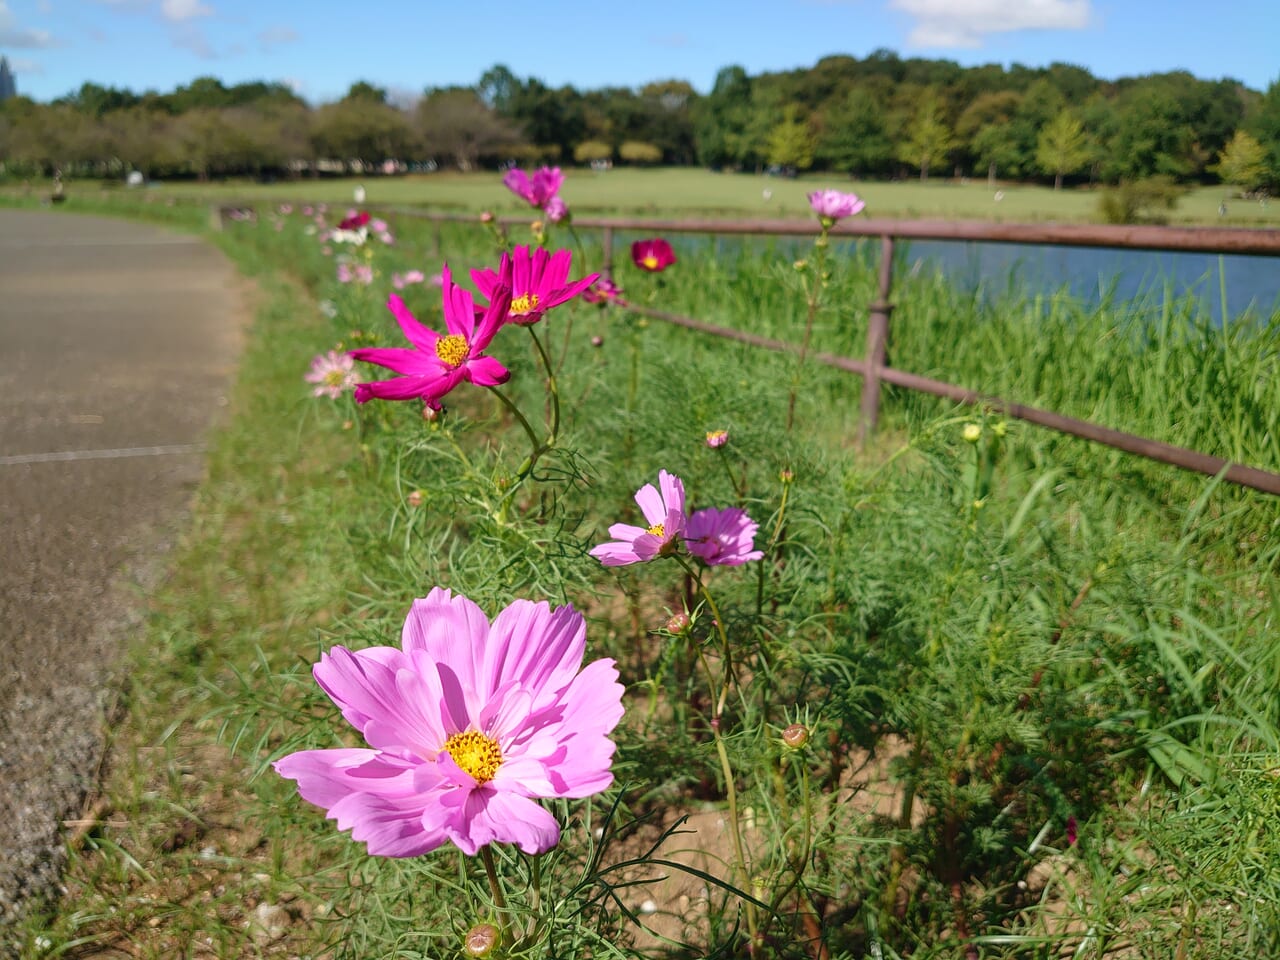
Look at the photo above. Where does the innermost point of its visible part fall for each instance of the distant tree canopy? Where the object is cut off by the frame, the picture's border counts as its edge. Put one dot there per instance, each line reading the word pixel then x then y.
pixel 879 116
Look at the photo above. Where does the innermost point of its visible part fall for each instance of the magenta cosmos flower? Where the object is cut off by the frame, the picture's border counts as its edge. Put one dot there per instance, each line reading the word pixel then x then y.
pixel 652 255
pixel 832 204
pixel 664 512
pixel 603 291
pixel 468 724
pixel 537 190
pixel 538 281
pixel 332 373
pixel 722 538
pixel 438 363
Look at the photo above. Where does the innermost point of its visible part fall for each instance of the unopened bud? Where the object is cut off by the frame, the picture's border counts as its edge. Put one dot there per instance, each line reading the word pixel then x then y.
pixel 415 498
pixel 972 433
pixel 801 265
pixel 786 476
pixel 486 217
pixel 796 736
pixel 679 624
pixel 597 341
pixel 481 940
pixel 430 413
pixel 1000 428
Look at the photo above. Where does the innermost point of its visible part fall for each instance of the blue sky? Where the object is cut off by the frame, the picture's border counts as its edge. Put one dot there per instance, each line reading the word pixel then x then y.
pixel 320 47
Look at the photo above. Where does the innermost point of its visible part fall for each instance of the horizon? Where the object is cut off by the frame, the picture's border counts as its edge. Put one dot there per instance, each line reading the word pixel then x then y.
pixel 53 48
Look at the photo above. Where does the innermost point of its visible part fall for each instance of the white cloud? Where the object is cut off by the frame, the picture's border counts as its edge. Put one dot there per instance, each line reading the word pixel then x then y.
pixel 187 36
pixel 11 35
pixel 968 23
pixel 273 37
pixel 178 11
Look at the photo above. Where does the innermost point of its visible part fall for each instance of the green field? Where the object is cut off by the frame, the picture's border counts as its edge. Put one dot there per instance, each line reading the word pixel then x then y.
pixel 686 191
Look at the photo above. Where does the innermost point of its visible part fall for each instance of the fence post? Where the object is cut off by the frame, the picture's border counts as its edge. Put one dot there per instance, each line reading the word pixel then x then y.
pixel 877 343
pixel 606 244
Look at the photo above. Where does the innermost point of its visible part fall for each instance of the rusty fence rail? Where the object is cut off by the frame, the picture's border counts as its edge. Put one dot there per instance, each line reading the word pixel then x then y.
pixel 873 369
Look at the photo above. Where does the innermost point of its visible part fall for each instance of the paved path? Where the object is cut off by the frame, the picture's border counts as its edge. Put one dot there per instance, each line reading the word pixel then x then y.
pixel 117 342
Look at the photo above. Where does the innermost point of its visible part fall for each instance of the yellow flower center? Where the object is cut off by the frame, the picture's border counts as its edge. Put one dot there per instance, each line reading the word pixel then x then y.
pixel 658 530
pixel 452 349
pixel 651 262
pixel 335 378
pixel 475 753
pixel 524 304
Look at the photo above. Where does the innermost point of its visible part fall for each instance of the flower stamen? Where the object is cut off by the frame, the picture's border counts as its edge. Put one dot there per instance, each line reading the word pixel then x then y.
pixel 476 754
pixel 453 349
pixel 658 530
pixel 524 304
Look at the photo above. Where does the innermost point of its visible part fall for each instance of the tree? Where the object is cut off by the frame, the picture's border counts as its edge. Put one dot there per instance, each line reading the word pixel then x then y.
pixel 456 123
pixel 984 128
pixel 854 138
pixel 1062 147
pixel 1243 162
pixel 928 139
pixel 790 142
pixel 360 130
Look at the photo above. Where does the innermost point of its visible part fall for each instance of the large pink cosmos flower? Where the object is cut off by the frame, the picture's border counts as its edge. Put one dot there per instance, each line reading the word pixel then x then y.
pixel 653 255
pixel 665 513
pixel 468 723
pixel 537 280
pixel 439 362
pixel 722 538
pixel 536 190
pixel 833 204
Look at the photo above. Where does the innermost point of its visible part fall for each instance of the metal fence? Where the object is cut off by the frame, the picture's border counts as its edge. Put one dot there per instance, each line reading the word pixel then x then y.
pixel 873 368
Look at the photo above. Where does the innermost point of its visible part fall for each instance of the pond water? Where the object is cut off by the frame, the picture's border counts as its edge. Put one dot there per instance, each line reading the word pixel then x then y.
pixel 1090 274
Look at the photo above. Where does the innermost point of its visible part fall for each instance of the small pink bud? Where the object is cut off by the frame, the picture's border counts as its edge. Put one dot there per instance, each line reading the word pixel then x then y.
pixel 717 438
pixel 481 940
pixel 679 624
pixel 486 217
pixel 415 498
pixel 597 341
pixel 796 736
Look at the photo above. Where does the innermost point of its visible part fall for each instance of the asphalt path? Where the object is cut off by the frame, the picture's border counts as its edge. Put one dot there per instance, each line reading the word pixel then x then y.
pixel 117 345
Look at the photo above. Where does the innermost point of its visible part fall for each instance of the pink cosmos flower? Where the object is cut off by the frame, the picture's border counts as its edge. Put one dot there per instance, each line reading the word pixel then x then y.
pixel 468 723
pixel 556 210
pixel 536 190
pixel 408 278
pixel 832 204
pixel 438 363
pixel 603 291
pixel 354 220
pixel 333 373
pixel 538 281
pixel 653 256
pixel 722 538
pixel 665 514
pixel 717 438
pixel 361 273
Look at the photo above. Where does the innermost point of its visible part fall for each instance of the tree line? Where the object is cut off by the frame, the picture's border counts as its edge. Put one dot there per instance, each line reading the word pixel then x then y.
pixel 878 117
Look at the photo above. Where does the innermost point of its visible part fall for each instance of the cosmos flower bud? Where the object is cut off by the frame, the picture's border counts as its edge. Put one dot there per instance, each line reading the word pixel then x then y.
pixel 679 624
pixel 481 940
pixel 972 433
pixel 796 736
pixel 486 217
pixel 415 498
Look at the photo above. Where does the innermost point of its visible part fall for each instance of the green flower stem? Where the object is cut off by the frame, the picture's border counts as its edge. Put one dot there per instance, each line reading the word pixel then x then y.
pixel 814 298
pixel 722 752
pixel 553 389
pixel 491 870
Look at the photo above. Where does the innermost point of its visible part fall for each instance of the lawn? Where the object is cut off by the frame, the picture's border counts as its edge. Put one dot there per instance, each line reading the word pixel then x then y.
pixel 689 191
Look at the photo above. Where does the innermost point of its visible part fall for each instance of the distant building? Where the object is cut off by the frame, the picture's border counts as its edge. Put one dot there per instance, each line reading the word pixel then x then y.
pixel 7 87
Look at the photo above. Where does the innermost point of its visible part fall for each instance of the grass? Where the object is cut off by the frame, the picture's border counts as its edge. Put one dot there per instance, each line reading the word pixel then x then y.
pixel 1002 634
pixel 691 191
